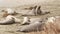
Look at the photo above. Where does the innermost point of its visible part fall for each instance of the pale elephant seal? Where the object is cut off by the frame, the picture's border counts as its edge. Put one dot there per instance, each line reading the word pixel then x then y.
pixel 8 20
pixel 16 19
pixel 32 27
pixel 51 19
pixel 31 12
pixel 40 12
pixel 10 11
pixel 26 20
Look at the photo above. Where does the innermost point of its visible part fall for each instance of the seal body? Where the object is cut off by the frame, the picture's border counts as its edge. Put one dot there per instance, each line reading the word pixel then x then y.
pixel 10 11
pixel 8 20
pixel 15 19
pixel 26 20
pixel 32 27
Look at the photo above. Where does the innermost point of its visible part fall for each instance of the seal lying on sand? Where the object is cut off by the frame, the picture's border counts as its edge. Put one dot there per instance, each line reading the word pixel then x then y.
pixel 16 19
pixel 36 10
pixel 30 13
pixel 9 20
pixel 26 20
pixel 9 11
pixel 52 26
pixel 40 12
pixel 32 27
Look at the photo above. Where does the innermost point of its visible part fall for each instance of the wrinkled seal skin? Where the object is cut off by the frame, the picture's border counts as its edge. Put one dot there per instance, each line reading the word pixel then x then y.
pixel 8 21
pixel 32 27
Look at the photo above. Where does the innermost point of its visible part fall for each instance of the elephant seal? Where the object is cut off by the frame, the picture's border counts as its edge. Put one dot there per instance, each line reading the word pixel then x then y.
pixel 36 10
pixel 40 12
pixel 9 11
pixel 15 19
pixel 31 12
pixel 8 20
pixel 51 19
pixel 32 27
pixel 26 20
